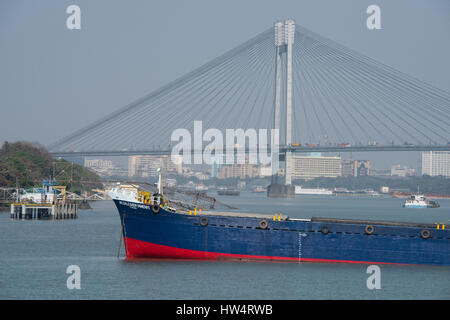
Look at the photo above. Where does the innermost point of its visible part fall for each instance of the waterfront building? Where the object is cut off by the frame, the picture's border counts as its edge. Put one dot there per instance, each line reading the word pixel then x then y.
pixel 402 171
pixel 147 166
pixel 265 171
pixel 356 168
pixel 104 168
pixel 310 167
pixel 347 168
pixel 384 189
pixel 436 163
pixel 380 172
pixel 361 168
pixel 241 171
pixel 214 168
pixel 97 163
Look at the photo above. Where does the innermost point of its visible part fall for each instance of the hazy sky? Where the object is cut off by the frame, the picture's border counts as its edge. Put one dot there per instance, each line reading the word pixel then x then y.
pixel 54 81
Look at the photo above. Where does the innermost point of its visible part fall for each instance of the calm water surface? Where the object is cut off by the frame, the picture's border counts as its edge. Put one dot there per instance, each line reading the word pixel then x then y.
pixel 35 254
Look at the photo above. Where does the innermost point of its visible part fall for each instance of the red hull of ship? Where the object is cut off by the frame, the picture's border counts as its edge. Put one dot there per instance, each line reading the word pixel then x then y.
pixel 137 249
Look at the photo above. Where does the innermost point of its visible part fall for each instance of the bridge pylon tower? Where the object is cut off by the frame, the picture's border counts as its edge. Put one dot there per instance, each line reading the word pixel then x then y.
pixel 284 39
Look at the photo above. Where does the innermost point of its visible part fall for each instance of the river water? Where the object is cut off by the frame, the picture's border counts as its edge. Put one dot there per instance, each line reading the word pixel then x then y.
pixel 34 256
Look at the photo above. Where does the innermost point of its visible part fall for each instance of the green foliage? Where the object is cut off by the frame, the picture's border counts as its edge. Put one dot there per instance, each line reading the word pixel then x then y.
pixel 75 177
pixel 24 163
pixel 27 164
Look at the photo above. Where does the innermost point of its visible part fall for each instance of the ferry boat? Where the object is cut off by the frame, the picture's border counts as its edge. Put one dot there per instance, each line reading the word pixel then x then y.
pixel 153 228
pixel 419 201
pixel 312 191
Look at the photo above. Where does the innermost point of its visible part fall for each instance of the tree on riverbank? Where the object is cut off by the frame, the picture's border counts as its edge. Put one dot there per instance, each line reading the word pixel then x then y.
pixel 26 164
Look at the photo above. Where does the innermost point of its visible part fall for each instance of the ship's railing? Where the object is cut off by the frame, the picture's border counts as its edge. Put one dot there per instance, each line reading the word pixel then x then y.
pixel 374 222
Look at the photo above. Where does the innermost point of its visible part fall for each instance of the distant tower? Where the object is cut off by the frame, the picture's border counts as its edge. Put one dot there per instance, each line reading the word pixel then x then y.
pixel 214 168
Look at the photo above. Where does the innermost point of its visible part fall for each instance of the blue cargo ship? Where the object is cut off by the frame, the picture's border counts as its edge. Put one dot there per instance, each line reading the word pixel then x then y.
pixel 152 229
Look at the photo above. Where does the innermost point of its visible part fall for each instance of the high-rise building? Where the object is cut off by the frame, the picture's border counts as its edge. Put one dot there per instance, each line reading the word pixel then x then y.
pixel 265 171
pixel 147 166
pixel 347 168
pixel 143 166
pixel 362 168
pixel 241 171
pixel 174 164
pixel 402 171
pixel 356 168
pixel 214 168
pixel 436 163
pixel 98 163
pixel 310 167
pixel 102 167
pixel 380 172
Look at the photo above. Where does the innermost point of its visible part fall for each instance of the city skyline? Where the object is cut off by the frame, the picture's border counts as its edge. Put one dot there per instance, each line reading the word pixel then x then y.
pixel 304 167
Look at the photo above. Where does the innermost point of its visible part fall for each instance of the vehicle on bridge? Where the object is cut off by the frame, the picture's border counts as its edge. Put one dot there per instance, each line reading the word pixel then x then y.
pixel 374 144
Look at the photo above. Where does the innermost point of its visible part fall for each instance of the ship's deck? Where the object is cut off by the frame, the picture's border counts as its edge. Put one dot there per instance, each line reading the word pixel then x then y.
pixel 243 214
pixel 284 217
pixel 375 222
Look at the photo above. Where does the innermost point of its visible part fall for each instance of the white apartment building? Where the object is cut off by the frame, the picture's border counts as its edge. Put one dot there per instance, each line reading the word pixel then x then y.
pixel 436 163
pixel 147 166
pixel 310 167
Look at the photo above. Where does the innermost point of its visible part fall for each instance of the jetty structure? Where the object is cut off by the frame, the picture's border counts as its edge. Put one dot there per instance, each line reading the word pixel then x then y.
pixel 48 202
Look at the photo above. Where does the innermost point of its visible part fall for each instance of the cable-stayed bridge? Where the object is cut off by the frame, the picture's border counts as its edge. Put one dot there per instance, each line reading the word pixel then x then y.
pixel 336 100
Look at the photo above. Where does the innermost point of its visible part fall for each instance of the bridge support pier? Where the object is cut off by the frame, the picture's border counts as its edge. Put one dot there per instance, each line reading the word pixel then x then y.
pixel 276 190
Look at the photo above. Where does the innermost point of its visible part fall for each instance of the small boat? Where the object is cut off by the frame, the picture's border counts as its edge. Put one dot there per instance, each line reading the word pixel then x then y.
pixel 228 192
pixel 419 201
pixel 312 191
pixel 259 189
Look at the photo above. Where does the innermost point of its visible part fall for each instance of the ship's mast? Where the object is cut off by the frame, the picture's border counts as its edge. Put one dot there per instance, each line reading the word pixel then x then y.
pixel 160 178
pixel 160 182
